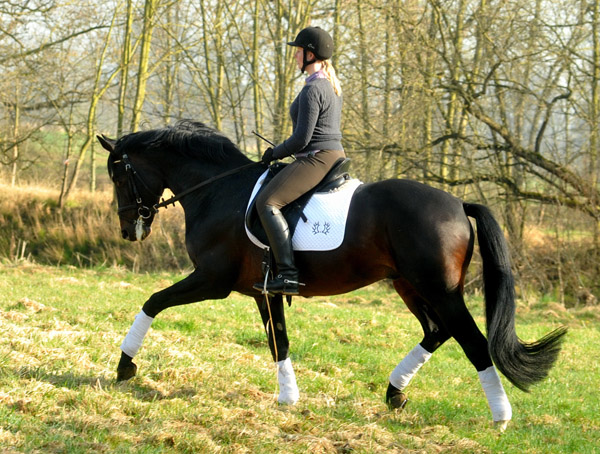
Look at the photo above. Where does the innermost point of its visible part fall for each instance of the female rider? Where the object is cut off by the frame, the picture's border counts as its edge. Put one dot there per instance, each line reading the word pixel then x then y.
pixel 316 144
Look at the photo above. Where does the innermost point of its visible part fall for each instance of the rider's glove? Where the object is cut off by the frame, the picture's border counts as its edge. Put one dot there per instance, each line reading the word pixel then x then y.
pixel 267 156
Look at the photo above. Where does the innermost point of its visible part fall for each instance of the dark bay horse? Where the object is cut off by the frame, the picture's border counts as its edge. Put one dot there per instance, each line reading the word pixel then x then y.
pixel 415 235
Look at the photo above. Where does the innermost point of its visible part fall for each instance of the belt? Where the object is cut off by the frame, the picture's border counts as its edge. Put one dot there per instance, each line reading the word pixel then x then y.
pixel 304 154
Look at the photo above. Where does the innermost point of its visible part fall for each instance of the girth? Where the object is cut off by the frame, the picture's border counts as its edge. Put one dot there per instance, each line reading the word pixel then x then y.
pixel 293 212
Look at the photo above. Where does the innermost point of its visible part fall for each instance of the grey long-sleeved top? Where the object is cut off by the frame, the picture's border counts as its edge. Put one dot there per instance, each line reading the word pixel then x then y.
pixel 316 117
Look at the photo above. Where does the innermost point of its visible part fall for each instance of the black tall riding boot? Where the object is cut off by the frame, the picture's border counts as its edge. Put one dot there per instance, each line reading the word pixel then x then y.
pixel 280 241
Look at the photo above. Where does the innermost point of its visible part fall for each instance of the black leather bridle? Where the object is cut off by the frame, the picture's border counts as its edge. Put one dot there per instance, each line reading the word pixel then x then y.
pixel 143 211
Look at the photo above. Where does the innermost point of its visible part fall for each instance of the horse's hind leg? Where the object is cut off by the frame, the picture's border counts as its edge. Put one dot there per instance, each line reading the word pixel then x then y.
pixel 273 318
pixel 434 336
pixel 461 326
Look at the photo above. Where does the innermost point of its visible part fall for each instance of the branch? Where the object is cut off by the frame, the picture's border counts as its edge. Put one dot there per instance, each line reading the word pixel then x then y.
pixel 569 200
pixel 50 44
pixel 535 157
pixel 538 139
pixel 51 103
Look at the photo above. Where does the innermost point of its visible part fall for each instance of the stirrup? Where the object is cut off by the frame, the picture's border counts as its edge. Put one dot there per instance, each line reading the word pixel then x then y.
pixel 279 285
pixel 262 286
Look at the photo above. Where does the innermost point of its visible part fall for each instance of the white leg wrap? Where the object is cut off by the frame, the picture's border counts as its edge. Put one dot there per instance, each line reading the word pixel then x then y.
pixel 133 341
pixel 408 367
pixel 497 399
pixel 288 389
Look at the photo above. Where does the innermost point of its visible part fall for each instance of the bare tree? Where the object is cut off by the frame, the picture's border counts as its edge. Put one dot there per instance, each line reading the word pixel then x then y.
pixel 149 21
pixel 126 57
pixel 100 86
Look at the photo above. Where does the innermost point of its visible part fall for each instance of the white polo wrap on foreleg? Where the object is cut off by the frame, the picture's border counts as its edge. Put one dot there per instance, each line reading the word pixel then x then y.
pixel 133 341
pixel 497 399
pixel 408 367
pixel 288 389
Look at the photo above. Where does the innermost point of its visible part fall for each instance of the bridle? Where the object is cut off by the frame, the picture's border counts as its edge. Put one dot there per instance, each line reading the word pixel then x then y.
pixel 144 212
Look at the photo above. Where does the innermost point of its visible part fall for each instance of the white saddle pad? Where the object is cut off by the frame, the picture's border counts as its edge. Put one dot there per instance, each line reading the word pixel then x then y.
pixel 326 215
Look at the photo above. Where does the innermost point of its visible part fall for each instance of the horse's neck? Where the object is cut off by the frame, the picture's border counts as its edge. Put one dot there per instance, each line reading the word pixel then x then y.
pixel 192 172
pixel 195 172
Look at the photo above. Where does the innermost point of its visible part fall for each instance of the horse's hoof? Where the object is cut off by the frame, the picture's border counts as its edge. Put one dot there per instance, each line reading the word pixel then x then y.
pixel 395 398
pixel 127 372
pixel 288 398
pixel 398 401
pixel 501 426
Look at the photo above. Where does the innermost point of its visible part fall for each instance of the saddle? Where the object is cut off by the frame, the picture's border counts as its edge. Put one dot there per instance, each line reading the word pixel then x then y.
pixel 336 177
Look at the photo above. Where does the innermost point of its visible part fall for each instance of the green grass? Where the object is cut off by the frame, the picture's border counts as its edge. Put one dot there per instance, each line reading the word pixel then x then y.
pixel 206 382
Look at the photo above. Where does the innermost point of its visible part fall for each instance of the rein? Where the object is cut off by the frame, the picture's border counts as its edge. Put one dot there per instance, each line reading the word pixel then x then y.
pixel 164 203
pixel 144 211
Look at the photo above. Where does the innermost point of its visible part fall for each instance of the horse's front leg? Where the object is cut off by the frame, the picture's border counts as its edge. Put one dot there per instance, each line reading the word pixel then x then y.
pixel 193 288
pixel 273 317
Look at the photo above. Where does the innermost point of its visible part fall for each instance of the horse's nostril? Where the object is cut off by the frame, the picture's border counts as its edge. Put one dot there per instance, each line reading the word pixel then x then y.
pixel 124 234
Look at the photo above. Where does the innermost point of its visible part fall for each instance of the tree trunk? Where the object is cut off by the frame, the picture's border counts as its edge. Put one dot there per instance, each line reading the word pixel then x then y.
pixel 14 171
pixel 448 168
pixel 125 62
pixel 256 79
pixel 363 59
pixel 142 78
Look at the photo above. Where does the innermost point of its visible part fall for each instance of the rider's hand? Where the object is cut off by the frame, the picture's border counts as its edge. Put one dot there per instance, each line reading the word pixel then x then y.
pixel 267 156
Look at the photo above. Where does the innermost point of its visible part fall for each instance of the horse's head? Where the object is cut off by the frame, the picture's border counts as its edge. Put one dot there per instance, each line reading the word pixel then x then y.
pixel 138 190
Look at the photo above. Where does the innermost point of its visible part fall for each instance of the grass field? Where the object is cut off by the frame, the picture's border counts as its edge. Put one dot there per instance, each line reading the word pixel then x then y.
pixel 206 382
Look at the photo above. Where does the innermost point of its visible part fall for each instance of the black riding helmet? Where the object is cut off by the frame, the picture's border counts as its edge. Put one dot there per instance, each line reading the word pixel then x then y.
pixel 316 40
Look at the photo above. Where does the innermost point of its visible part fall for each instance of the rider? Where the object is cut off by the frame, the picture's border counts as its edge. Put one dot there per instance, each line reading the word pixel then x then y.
pixel 316 144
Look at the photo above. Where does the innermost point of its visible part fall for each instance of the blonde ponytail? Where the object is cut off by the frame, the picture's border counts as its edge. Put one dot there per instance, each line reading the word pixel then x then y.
pixel 329 72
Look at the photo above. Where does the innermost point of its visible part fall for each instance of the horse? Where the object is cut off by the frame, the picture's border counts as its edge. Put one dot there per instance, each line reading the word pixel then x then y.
pixel 417 236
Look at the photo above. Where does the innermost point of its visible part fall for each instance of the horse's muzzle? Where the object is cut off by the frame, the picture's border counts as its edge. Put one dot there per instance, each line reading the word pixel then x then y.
pixel 133 231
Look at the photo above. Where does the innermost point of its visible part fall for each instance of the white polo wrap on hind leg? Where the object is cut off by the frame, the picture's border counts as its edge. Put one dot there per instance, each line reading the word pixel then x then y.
pixel 408 367
pixel 497 399
pixel 288 389
pixel 133 341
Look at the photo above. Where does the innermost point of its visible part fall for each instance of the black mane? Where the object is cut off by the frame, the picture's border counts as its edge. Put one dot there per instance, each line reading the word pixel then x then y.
pixel 187 137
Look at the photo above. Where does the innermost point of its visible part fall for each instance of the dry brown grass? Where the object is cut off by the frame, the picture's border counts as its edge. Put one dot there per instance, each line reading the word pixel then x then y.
pixel 84 233
pixel 562 265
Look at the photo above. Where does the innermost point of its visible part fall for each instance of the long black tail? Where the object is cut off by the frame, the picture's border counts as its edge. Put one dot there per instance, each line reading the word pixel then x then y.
pixel 522 363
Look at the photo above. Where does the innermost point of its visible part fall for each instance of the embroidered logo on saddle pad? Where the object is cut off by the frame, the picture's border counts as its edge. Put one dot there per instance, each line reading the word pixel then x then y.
pixel 321 224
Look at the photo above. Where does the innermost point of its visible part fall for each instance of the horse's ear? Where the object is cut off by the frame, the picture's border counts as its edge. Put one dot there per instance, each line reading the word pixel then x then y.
pixel 107 144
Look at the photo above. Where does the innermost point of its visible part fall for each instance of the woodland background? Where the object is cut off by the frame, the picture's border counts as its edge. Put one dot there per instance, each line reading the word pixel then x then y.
pixel 495 101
